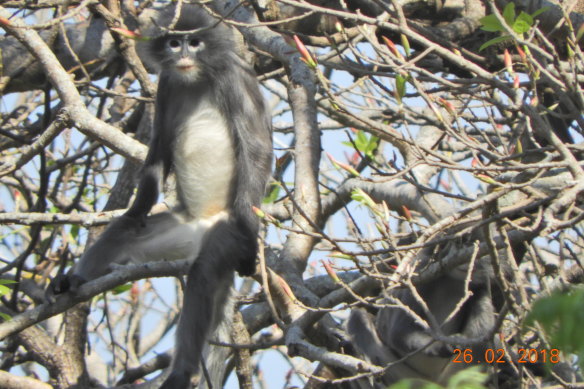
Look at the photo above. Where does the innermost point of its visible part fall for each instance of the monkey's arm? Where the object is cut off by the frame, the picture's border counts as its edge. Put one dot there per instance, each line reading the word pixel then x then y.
pixel 155 169
pixel 148 191
pixel 250 124
pixel 401 333
pixel 365 339
pixel 361 329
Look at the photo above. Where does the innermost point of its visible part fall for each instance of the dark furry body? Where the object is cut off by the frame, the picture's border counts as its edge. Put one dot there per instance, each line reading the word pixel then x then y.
pixel 395 335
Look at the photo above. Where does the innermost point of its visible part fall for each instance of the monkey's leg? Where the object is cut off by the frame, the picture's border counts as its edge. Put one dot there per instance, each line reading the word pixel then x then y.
pixel 361 329
pixel 207 291
pixel 165 236
pixel 206 294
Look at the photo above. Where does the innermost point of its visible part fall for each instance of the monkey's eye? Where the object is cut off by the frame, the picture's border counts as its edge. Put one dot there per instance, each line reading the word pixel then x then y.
pixel 194 43
pixel 174 44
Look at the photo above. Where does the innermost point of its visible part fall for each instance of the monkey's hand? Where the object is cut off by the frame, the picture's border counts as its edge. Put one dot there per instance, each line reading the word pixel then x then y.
pixel 246 267
pixel 248 248
pixel 63 283
pixel 440 350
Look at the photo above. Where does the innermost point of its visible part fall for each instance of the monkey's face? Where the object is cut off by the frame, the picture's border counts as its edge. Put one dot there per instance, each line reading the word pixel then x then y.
pixel 194 49
pixel 181 53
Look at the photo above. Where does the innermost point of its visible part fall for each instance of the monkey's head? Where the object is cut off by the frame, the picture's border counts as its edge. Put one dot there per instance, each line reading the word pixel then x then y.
pixel 196 45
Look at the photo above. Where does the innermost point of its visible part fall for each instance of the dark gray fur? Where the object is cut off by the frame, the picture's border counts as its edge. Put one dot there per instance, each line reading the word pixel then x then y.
pixel 225 81
pixel 394 333
pixel 232 84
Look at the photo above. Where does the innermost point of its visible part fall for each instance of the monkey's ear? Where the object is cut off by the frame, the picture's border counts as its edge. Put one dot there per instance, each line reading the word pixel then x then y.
pixel 63 283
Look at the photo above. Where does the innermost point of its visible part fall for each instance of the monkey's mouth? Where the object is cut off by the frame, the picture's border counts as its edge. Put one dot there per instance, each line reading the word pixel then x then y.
pixel 185 68
pixel 185 65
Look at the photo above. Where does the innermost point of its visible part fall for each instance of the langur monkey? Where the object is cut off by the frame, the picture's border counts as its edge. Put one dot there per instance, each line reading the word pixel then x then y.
pixel 213 130
pixel 394 335
pixel 455 303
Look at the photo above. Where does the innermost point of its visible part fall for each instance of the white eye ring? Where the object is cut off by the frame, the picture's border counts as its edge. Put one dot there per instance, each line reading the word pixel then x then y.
pixel 174 44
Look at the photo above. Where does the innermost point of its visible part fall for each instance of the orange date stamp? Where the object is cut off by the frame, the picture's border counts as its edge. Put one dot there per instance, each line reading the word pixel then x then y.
pixel 492 356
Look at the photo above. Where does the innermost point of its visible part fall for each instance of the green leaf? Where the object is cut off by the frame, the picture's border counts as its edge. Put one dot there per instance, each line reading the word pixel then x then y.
pixel 122 288
pixel 523 23
pixel 415 383
pixel 539 12
pixel 400 85
pixel 4 290
pixel 579 33
pixel 570 51
pixel 527 18
pixel 361 197
pixel 406 45
pixel 509 13
pixel 491 23
pixel 561 315
pixel 273 195
pixel 494 41
pixel 5 316
pixel 520 27
pixel 471 378
pixel 75 231
pixel 363 143
pixel 372 145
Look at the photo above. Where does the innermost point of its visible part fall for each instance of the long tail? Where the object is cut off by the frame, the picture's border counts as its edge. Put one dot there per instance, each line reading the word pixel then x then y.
pixel 207 291
pixel 214 357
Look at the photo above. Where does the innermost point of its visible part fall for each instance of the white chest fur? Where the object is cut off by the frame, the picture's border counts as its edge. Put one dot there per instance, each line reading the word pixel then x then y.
pixel 204 161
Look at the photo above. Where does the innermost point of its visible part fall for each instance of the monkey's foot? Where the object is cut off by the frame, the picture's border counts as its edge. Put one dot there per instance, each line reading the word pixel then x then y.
pixel 177 380
pixel 63 284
